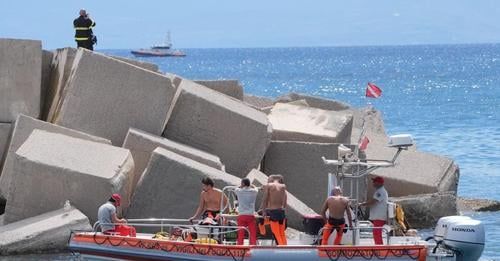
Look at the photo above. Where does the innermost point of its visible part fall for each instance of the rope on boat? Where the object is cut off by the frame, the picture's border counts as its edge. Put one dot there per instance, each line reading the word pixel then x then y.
pixel 207 249
pixel 335 255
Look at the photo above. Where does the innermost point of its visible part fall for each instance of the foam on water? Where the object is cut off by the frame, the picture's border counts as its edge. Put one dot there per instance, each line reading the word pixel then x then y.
pixel 447 96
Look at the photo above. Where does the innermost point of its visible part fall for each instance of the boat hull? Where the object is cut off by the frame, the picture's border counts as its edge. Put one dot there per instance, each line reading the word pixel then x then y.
pixel 156 53
pixel 127 248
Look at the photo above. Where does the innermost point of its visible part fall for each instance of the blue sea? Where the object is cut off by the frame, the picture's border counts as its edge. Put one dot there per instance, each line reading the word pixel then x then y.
pixel 446 96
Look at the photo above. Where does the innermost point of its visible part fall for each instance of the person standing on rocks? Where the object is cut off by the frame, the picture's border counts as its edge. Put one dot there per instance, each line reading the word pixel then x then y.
pixel 84 36
pixel 274 205
pixel 247 195
pixel 109 221
pixel 337 205
pixel 210 202
pixel 378 208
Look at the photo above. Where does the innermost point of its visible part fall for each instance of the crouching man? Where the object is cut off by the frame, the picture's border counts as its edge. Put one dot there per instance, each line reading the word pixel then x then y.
pixel 109 221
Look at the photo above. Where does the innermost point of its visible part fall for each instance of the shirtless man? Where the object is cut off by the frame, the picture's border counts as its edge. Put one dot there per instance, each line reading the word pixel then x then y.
pixel 274 204
pixel 209 205
pixel 337 205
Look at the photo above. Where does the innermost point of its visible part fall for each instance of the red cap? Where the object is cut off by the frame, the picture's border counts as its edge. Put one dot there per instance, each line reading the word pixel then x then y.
pixel 378 179
pixel 117 198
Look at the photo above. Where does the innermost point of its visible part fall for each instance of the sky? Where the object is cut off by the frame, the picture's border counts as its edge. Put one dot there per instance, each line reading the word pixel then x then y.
pixel 256 23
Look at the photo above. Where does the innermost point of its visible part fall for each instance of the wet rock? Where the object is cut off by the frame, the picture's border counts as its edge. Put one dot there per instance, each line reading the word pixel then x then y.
pixel 231 88
pixel 424 210
pixel 51 168
pixel 171 186
pixel 105 97
pixel 313 101
pixel 296 209
pixel 46 232
pixel 22 129
pixel 142 144
pixel 220 125
pixel 21 77
pixel 470 204
pixel 299 123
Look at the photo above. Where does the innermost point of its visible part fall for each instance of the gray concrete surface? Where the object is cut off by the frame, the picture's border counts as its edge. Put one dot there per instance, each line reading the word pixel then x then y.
pixel 231 88
pixel 300 123
pixel 314 101
pixel 141 144
pixel 171 186
pixel 105 97
pixel 220 125
pixel 52 168
pixel 257 102
pixel 22 129
pixel 145 65
pixel 47 57
pixel 20 78
pixel 46 232
pixel 5 131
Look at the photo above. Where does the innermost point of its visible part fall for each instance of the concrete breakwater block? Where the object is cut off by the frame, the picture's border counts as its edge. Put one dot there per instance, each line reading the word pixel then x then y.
pixel 231 88
pixel 220 125
pixel 51 168
pixel 20 78
pixel 105 97
pixel 5 129
pixel 141 144
pixel 424 210
pixel 46 232
pixel 296 209
pixel 171 186
pixel 145 65
pixel 299 123
pixel 305 174
pixel 23 128
pixel 257 102
pixel 47 57
pixel 61 64
pixel 313 101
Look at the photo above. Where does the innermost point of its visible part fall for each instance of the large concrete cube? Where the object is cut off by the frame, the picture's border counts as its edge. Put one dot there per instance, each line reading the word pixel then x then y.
pixel 145 65
pixel 52 168
pixel 300 123
pixel 313 101
pixel 231 88
pixel 42 233
pixel 217 124
pixel 23 128
pixel 105 97
pixel 20 78
pixel 61 64
pixel 424 210
pixel 171 186
pixel 257 101
pixel 5 129
pixel 296 209
pixel 305 174
pixel 47 57
pixel 141 144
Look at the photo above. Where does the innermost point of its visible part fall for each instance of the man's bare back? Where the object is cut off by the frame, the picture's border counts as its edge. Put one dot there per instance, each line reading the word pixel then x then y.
pixel 337 205
pixel 275 195
pixel 211 199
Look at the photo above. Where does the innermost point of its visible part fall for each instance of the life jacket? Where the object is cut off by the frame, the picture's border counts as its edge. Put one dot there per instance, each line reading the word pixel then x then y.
pixel 400 218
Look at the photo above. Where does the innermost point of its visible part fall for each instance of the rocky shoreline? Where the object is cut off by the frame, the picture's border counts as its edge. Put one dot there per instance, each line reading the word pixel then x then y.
pixel 77 126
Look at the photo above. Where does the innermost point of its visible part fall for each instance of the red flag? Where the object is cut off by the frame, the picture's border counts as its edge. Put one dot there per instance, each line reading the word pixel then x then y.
pixel 364 143
pixel 373 91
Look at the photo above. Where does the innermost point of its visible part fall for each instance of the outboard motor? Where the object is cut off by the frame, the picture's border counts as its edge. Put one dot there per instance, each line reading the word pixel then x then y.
pixel 465 237
pixel 442 225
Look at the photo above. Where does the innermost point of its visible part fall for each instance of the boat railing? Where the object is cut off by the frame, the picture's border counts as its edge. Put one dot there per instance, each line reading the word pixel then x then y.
pixel 162 224
pixel 353 229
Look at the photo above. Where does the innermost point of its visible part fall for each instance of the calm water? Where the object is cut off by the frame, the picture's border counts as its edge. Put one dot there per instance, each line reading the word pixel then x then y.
pixel 448 97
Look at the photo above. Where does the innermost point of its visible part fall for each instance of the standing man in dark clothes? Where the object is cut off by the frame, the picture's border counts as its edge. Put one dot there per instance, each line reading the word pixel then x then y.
pixel 83 31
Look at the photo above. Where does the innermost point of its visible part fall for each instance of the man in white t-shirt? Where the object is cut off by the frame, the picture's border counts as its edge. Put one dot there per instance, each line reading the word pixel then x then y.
pixel 378 208
pixel 247 194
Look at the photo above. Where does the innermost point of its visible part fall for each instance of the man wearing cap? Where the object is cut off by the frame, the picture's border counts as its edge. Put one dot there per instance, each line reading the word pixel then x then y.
pixel 107 218
pixel 378 208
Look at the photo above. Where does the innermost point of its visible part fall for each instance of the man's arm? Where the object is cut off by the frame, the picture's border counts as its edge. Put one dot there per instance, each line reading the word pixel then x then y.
pixel 370 202
pixel 285 198
pixel 323 210
pixel 201 207
pixel 265 198
pixel 117 220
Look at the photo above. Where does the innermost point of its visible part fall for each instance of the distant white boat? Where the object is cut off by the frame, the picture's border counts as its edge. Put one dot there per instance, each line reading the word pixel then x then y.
pixel 164 46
